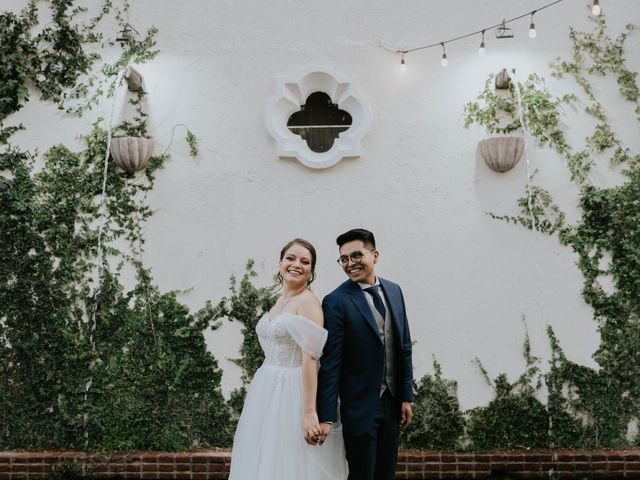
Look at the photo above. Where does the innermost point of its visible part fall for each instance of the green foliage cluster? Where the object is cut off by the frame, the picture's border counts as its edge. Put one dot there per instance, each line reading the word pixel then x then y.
pixel 192 141
pixel 58 59
pixel 85 364
pixel 247 304
pixel 52 60
pixel 592 407
pixel 438 423
pixel 139 376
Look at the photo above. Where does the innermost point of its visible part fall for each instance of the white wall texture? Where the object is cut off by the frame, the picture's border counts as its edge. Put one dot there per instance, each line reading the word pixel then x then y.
pixel 419 185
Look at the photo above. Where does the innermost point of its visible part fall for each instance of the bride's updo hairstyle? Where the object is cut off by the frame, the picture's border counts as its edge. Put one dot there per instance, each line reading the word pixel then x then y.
pixel 312 251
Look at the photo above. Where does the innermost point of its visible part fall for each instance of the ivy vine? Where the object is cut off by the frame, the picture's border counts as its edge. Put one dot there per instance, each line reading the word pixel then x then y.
pixel 84 363
pixel 587 407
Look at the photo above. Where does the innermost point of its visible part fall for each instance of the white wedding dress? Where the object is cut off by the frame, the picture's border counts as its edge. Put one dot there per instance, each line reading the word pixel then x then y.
pixel 269 441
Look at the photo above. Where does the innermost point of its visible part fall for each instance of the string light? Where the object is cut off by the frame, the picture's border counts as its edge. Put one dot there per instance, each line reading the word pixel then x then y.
pixel 595 8
pixel 502 25
pixel 532 27
pixel 481 50
pixel 403 66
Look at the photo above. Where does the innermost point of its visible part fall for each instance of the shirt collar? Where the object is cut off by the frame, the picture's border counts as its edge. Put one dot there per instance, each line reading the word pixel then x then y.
pixel 364 286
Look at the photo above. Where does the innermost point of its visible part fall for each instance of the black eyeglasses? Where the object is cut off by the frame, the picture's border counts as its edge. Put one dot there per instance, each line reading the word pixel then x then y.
pixel 355 257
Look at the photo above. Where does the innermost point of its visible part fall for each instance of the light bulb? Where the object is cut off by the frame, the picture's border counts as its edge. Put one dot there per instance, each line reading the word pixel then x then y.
pixel 403 66
pixel 481 51
pixel 595 8
pixel 444 62
pixel 532 31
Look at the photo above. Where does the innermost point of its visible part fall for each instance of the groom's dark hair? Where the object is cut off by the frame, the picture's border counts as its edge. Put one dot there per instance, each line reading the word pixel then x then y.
pixel 357 234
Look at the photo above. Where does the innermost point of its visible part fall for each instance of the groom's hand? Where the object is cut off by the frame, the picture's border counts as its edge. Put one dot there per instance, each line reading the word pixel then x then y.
pixel 325 429
pixel 406 415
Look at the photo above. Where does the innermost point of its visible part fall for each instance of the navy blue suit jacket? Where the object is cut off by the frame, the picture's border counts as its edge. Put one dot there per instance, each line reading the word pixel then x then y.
pixel 352 364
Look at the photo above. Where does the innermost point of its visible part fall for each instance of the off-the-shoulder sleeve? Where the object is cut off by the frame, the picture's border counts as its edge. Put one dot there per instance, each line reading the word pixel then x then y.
pixel 310 336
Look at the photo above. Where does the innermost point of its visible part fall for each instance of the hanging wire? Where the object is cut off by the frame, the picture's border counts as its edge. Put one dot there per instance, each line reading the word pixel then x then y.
pixel 477 32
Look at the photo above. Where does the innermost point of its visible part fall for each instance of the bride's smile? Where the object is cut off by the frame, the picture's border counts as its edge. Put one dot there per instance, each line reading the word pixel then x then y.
pixel 295 266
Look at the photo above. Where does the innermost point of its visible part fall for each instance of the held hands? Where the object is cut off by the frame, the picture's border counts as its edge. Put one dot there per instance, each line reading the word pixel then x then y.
pixel 312 430
pixel 325 431
pixel 406 415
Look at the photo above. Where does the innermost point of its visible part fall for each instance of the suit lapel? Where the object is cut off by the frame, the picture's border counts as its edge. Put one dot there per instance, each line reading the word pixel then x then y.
pixel 357 297
pixel 393 301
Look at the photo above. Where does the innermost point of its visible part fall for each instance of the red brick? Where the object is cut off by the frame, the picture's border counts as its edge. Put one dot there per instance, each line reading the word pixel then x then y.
pixel 414 476
pixel 220 459
pixel 150 457
pixel 615 457
pixel 132 467
pixel 165 467
pixel 200 476
pixel 218 476
pixel 466 467
pixel 465 457
pixel 199 467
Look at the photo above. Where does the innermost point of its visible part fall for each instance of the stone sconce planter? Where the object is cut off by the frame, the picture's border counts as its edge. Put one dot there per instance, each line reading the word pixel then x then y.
pixel 501 154
pixel 131 153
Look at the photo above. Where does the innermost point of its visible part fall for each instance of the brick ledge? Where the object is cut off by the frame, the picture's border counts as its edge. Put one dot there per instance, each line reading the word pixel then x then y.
pixel 412 465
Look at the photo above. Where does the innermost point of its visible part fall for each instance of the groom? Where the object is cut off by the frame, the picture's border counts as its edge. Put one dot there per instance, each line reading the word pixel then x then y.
pixel 366 365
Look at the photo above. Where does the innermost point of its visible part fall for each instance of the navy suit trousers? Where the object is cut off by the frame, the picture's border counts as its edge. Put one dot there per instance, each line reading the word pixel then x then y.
pixel 373 455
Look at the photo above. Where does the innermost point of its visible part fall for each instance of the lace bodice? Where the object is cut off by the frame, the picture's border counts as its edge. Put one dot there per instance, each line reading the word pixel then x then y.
pixel 285 336
pixel 279 347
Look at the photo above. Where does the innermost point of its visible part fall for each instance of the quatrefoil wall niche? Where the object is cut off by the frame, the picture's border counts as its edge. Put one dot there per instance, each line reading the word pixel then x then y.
pixel 344 101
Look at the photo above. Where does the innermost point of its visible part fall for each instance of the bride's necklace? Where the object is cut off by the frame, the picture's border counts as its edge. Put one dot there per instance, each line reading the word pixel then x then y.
pixel 284 304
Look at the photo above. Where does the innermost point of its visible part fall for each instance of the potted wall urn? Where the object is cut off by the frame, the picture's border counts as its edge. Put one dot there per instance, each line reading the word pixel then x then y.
pixel 501 154
pixel 131 153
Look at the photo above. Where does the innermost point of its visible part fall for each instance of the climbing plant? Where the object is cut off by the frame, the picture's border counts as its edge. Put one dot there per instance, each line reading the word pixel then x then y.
pixel 246 305
pixel 438 423
pixel 589 407
pixel 85 363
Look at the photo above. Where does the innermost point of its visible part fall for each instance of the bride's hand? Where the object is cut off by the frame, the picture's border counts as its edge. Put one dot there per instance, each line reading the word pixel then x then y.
pixel 312 429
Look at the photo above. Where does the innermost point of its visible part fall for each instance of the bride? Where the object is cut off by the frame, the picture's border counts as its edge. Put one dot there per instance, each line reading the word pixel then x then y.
pixel 278 435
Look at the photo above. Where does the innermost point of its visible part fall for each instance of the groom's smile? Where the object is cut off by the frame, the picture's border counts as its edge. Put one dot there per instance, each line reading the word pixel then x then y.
pixel 358 261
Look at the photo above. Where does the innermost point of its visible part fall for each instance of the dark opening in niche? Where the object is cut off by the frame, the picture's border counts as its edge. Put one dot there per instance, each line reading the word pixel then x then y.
pixel 319 122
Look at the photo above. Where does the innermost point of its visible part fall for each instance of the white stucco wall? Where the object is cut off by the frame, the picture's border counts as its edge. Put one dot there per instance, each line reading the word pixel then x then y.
pixel 419 185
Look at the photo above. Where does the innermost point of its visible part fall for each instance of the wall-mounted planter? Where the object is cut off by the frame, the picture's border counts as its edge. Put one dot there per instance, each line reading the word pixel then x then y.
pixel 501 154
pixel 131 153
pixel 134 80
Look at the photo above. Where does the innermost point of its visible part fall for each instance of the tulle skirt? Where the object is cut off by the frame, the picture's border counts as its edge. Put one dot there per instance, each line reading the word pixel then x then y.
pixel 269 442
